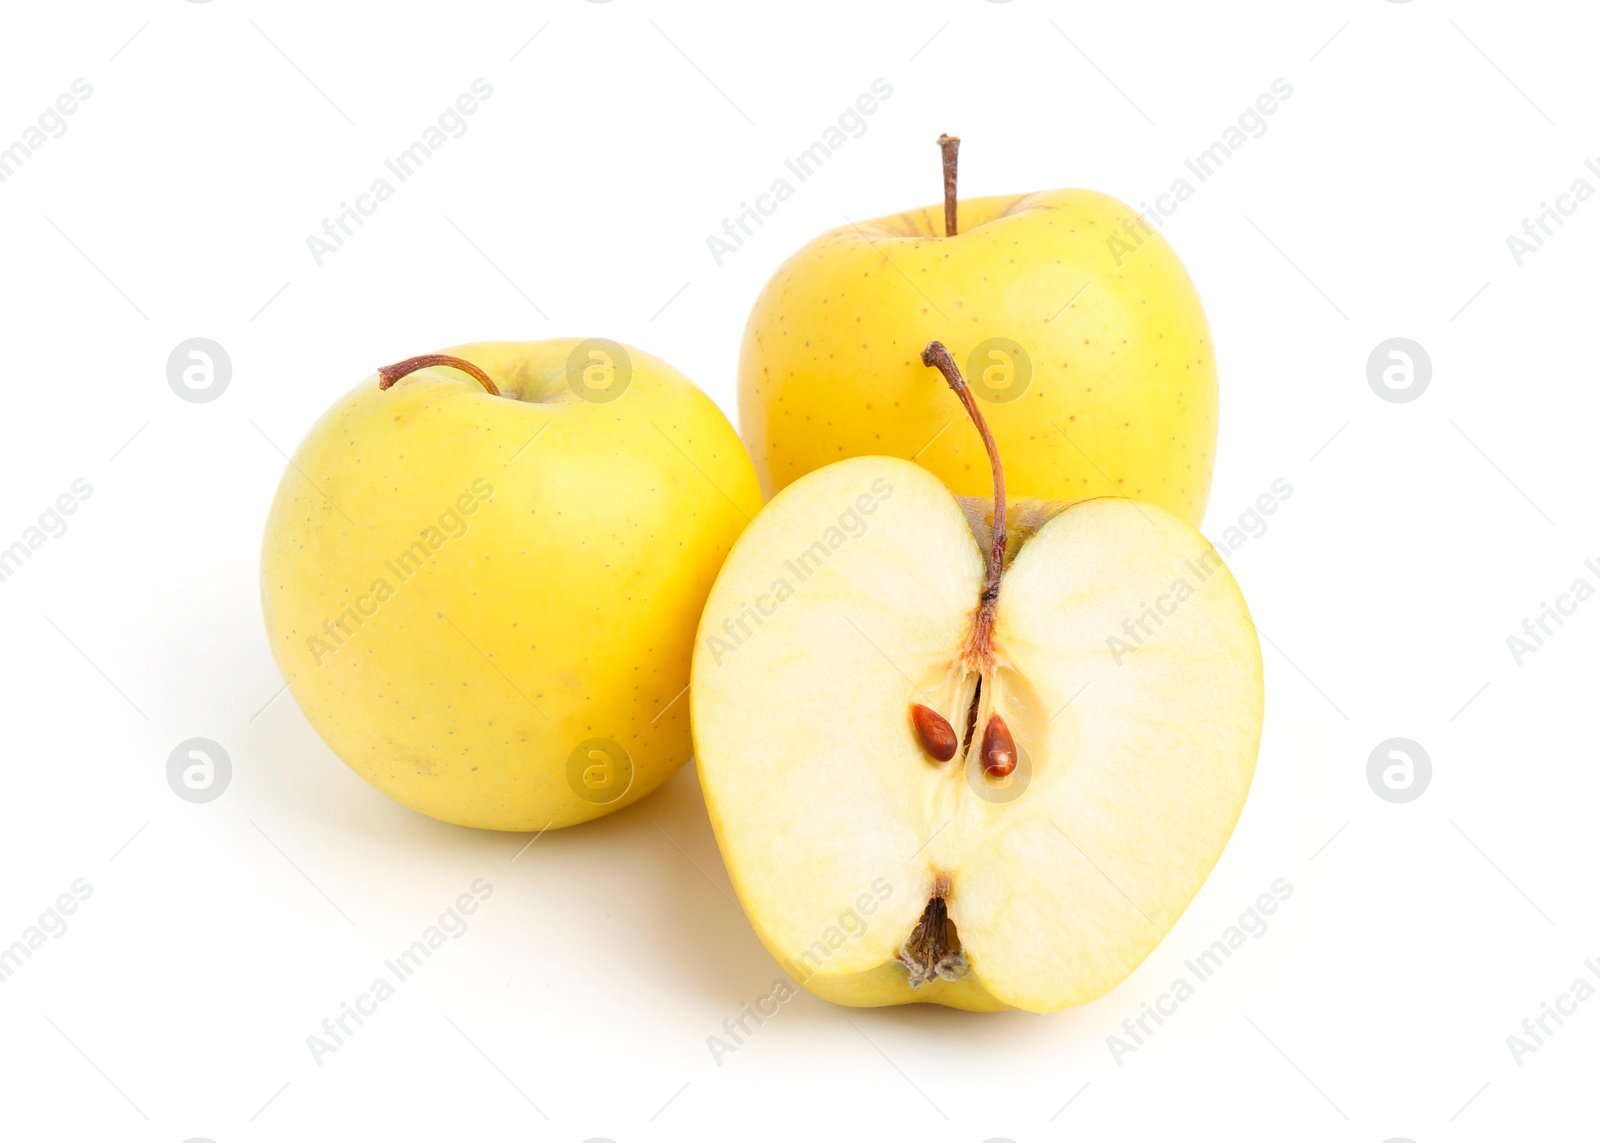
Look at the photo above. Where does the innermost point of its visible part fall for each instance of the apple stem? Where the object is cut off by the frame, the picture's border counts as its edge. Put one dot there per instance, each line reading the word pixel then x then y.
pixel 389 374
pixel 936 356
pixel 948 146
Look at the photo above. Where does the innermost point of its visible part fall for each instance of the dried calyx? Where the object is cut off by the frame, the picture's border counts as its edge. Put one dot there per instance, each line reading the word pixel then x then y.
pixel 933 950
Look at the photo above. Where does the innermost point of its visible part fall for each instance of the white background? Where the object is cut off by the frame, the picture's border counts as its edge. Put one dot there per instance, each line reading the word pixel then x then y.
pixel 1419 536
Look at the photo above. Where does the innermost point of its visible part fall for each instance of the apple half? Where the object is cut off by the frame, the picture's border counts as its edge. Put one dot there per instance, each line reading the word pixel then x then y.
pixel 979 766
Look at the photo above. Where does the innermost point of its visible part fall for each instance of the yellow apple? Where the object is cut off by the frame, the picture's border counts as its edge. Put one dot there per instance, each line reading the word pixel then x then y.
pixel 485 602
pixel 1071 317
pixel 976 758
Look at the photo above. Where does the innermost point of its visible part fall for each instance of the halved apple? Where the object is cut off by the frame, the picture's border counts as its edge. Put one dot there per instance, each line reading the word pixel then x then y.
pixel 1089 672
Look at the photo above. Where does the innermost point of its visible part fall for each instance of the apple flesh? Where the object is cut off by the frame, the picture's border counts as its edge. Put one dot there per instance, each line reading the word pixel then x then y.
pixel 1122 660
pixel 1122 399
pixel 466 591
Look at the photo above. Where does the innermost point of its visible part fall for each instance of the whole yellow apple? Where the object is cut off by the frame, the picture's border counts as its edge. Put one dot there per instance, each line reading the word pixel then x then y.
pixel 1072 317
pixel 482 582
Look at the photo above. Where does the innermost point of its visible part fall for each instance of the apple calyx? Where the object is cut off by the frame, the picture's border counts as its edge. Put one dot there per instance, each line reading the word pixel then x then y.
pixel 933 950
pixel 389 374
pixel 948 146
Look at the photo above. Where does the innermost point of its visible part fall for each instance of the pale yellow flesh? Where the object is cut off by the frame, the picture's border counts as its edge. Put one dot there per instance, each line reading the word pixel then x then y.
pixel 1123 399
pixel 560 609
pixel 836 826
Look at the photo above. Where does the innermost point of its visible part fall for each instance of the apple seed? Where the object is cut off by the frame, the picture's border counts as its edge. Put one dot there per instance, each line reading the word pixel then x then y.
pixel 999 749
pixel 934 731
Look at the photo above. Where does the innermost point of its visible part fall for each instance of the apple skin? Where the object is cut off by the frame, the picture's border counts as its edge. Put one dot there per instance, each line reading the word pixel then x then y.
pixel 1123 394
pixel 555 597
pixel 834 821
